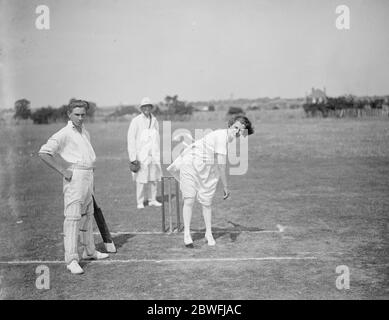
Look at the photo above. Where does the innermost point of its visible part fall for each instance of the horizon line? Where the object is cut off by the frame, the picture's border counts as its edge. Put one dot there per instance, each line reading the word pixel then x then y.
pixel 197 101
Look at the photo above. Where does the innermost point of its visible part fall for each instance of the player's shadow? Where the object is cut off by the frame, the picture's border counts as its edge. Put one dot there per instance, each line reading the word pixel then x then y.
pixel 121 239
pixel 233 231
pixel 118 240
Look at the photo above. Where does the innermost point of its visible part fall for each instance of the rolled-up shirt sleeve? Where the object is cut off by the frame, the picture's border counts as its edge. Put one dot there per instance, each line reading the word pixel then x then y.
pixel 53 145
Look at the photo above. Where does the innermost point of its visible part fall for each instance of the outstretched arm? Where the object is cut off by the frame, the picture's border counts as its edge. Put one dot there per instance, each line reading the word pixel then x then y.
pixel 53 163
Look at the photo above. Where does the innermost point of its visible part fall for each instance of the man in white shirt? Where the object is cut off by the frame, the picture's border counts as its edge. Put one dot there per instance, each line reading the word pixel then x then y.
pixel 72 144
pixel 143 144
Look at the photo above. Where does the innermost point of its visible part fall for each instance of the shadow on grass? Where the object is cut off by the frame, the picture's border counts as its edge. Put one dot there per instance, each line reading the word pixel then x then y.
pixel 118 240
pixel 233 231
pixel 165 198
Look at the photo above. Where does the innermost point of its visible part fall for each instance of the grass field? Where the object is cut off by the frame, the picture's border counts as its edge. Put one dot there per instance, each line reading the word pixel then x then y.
pixel 326 181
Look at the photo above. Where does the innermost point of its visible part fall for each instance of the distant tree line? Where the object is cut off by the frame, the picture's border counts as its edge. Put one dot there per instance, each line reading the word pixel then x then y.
pixel 171 108
pixel 176 107
pixel 46 115
pixel 234 111
pixel 335 105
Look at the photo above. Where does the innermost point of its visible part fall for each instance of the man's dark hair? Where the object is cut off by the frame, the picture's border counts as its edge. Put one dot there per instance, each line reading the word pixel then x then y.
pixel 243 120
pixel 77 104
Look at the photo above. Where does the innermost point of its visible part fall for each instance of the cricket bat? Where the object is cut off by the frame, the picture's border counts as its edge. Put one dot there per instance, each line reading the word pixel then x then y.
pixel 103 228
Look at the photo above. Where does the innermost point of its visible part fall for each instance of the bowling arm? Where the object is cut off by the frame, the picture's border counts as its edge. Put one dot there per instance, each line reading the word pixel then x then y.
pixel 221 166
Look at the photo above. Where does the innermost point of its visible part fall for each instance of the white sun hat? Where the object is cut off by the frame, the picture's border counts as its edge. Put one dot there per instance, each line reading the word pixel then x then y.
pixel 145 102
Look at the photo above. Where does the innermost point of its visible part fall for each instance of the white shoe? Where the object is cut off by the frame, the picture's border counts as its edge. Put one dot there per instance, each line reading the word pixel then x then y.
pixel 188 241
pixel 209 238
pixel 96 256
pixel 110 247
pixel 155 203
pixel 140 206
pixel 74 267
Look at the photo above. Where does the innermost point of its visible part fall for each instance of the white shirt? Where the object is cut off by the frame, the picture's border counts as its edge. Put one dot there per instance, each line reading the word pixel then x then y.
pixel 206 148
pixel 143 139
pixel 202 153
pixel 73 146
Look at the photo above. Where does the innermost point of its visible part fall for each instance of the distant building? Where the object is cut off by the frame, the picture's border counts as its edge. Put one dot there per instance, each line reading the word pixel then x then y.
pixel 317 96
pixel 205 108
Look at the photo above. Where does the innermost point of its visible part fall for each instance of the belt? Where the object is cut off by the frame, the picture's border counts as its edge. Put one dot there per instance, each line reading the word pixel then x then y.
pixel 76 166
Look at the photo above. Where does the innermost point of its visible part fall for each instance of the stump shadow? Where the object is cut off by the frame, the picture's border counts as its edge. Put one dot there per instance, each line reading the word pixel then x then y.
pixel 218 232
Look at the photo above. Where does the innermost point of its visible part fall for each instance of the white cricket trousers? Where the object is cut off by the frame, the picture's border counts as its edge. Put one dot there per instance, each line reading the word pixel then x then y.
pixel 78 212
pixel 140 191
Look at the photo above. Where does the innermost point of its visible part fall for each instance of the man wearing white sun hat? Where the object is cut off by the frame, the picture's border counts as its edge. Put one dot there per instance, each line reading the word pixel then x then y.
pixel 143 142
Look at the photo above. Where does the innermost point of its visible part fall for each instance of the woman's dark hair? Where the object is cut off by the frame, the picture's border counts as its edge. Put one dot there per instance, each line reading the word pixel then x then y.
pixel 77 104
pixel 243 120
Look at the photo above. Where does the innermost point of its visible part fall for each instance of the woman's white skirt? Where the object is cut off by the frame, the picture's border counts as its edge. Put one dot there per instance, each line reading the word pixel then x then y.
pixel 196 178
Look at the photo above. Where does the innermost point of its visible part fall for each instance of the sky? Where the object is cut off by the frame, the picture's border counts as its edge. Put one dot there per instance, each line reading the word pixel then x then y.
pixel 116 52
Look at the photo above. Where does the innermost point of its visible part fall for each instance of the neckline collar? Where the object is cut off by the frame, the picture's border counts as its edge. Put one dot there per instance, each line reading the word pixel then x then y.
pixel 71 124
pixel 151 116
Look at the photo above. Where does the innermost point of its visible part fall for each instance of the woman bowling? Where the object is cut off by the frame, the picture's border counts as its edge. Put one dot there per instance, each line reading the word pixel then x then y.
pixel 199 168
